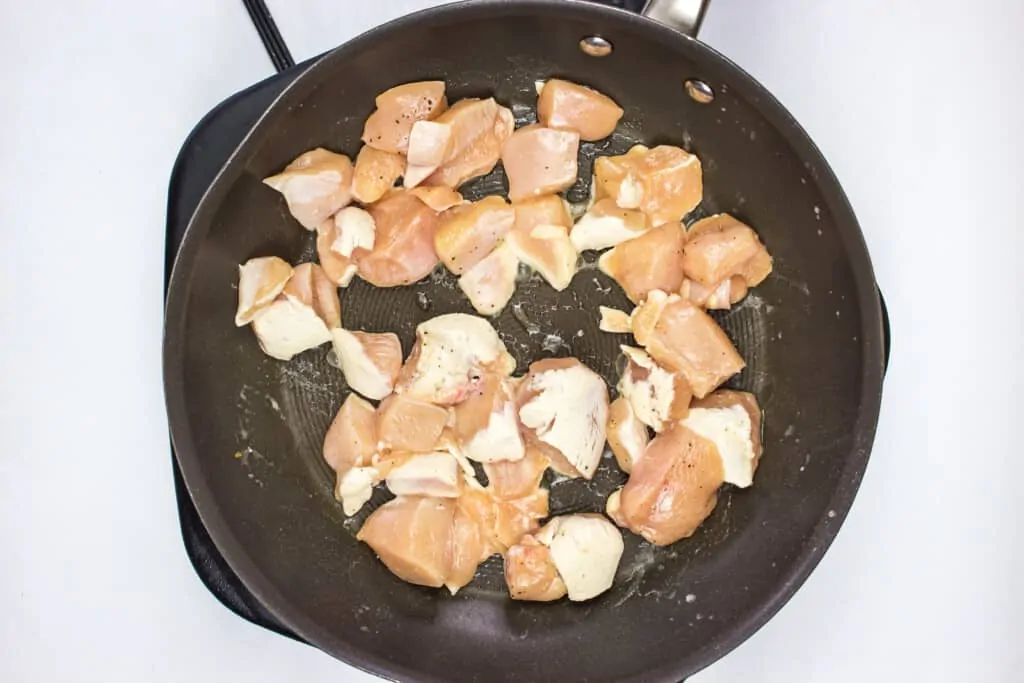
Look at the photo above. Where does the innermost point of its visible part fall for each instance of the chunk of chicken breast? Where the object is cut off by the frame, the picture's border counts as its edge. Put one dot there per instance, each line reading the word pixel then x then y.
pixel 311 286
pixel 530 572
pixel 339 269
pixel 627 436
pixel 721 297
pixel 486 426
pixel 563 104
pixel 466 234
pixel 540 239
pixel 479 129
pixel 720 247
pixel 606 225
pixel 510 479
pixel 540 161
pixel 412 536
pixel 406 424
pixel 491 283
pixel 586 550
pixel 438 198
pixel 315 186
pixel 426 474
pixel 614 321
pixel 398 109
pixel 658 397
pixel 429 145
pixel 376 172
pixel 260 280
pixel 664 182
pixel 370 361
pixel 301 317
pixel 651 261
pixel 732 421
pixel 350 444
pixel 356 229
pixel 403 250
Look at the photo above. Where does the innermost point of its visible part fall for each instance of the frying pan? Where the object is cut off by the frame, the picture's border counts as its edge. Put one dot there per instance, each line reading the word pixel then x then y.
pixel 247 429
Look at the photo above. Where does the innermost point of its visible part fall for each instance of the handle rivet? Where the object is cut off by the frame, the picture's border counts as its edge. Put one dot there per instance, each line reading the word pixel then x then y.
pixel 596 46
pixel 699 91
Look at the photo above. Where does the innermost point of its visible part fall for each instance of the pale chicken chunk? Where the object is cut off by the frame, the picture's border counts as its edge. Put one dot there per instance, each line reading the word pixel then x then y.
pixel 466 549
pixel 627 435
pixel 375 173
pixel 511 479
pixel 563 409
pixel 720 297
pixel 405 424
pixel 614 321
pixel 370 361
pixel 466 234
pixel 606 225
pixel 426 474
pixel 403 250
pixel 540 239
pixel 664 182
pixel 260 280
pixel 302 316
pixel 491 283
pixel 651 261
pixel 683 338
pixel 486 426
pixel 356 229
pixel 563 104
pixel 732 421
pixel 479 129
pixel 586 550
pixel 438 198
pixel 311 286
pixel 398 109
pixel 505 520
pixel 540 161
pixel 720 247
pixel 530 572
pixel 315 186
pixel 339 269
pixel 429 145
pixel 412 536
pixel 349 446
pixel 658 397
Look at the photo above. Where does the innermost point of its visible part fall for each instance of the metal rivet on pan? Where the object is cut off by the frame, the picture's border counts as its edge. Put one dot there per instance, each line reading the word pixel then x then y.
pixel 699 91
pixel 596 46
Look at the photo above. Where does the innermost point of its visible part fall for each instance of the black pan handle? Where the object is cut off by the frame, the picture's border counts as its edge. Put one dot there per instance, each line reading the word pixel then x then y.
pixel 266 27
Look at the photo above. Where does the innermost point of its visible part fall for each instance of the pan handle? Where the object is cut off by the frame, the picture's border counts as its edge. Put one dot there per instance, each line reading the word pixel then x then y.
pixel 684 16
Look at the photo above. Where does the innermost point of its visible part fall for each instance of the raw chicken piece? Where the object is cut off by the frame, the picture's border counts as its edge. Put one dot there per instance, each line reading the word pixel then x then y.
pixel 614 321
pixel 540 161
pixel 398 109
pixel 403 251
pixel 339 269
pixel 486 427
pixel 586 550
pixel 466 234
pixel 683 338
pixel 563 409
pixel 627 436
pixel 426 474
pixel 651 261
pixel 412 536
pixel 673 487
pixel 479 131
pixel 349 447
pixel 356 229
pixel 606 225
pixel 664 182
pixel 301 317
pixel 429 145
pixel 311 286
pixel 315 186
pixel 405 424
pixel 466 550
pixel 515 479
pixel 530 572
pixel 370 361
pixel 260 280
pixel 504 520
pixel 355 488
pixel 721 297
pixel 732 421
pixel 491 283
pixel 540 239
pixel 563 104
pixel 658 397
pixel 375 173
pixel 720 247
pixel 451 353
pixel 439 198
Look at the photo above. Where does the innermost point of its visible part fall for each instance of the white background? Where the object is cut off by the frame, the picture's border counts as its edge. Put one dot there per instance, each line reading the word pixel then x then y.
pixel 916 104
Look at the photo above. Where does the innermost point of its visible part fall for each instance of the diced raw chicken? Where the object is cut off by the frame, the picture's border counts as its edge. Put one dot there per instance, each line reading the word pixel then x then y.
pixel 720 247
pixel 355 488
pixel 614 321
pixel 540 239
pixel 491 283
pixel 405 424
pixel 356 229
pixel 452 352
pixel 732 421
pixel 398 109
pixel 339 269
pixel 403 250
pixel 504 521
pixel 479 131
pixel 466 550
pixel 375 173
pixel 721 297
pixel 439 198
pixel 412 535
pixel 651 261
pixel 563 409
pixel 315 186
pixel 658 397
pixel 429 145
pixel 260 280
pixel 486 426
pixel 311 286
pixel 349 446
pixel 664 182
pixel 530 572
pixel 627 436
pixel 370 361
pixel 683 338
pixel 466 234
pixel 426 474
pixel 586 550
pixel 672 489
pixel 563 104
pixel 540 161
pixel 606 225
pixel 301 317
pixel 510 479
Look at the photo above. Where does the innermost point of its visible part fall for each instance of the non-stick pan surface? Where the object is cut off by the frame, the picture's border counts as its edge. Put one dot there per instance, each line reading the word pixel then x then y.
pixel 248 429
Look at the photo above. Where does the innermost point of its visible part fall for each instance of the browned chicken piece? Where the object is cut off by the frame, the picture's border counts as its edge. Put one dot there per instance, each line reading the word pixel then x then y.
pixel 563 104
pixel 315 186
pixel 429 146
pixel 606 225
pixel 683 338
pixel 339 269
pixel 732 421
pixel 466 234
pixel 491 283
pixel 658 397
pixel 627 436
pixel 403 250
pixel 651 261
pixel 530 572
pixel 376 172
pixel 405 424
pixel 540 239
pixel 311 286
pixel 719 248
pixel 539 161
pixel 664 182
pixel 672 489
pixel 515 479
pixel 260 280
pixel 486 426
pixel 389 127
pixel 721 297
pixel 349 447
pixel 439 198
pixel 370 361
pixel 412 536
pixel 479 129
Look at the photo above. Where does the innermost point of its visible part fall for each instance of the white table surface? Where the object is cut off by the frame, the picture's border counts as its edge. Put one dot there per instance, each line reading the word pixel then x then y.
pixel 917 106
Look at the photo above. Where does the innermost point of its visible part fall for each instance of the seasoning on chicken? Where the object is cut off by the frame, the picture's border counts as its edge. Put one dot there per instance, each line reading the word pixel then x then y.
pixel 411 535
pixel 562 104
pixel 664 182
pixel 479 129
pixel 606 225
pixel 586 550
pixel 339 269
pixel 398 109
pixel 530 572
pixel 376 172
pixel 658 397
pixel 315 186
pixel 451 353
pixel 439 198
pixel 349 446
pixel 540 239
pixel 719 250
pixel 466 234
pixel 672 489
pixel 563 409
pixel 683 338
pixel 540 161
pixel 732 421
pixel 405 424
pixel 486 427
pixel 370 361
pixel 260 280
pixel 403 250
pixel 426 474
pixel 429 145
pixel 491 283
pixel 627 435
pixel 510 479
pixel 614 321
pixel 651 261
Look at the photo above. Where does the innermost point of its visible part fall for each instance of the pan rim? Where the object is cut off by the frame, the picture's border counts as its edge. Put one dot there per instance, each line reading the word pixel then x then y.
pixel 854 465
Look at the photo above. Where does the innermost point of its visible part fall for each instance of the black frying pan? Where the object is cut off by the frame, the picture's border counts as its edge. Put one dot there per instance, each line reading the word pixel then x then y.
pixel 248 429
